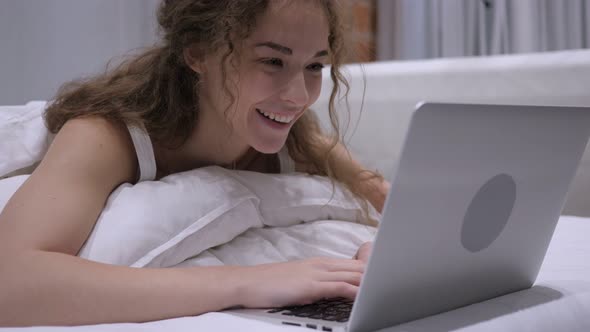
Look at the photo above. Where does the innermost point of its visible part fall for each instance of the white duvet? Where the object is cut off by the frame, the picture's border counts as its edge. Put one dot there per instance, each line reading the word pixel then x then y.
pixel 212 216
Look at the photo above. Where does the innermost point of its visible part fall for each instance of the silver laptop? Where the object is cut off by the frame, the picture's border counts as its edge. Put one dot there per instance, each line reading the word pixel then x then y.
pixel 473 205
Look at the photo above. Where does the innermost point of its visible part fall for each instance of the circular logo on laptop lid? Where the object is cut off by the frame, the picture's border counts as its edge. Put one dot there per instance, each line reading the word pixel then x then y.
pixel 488 213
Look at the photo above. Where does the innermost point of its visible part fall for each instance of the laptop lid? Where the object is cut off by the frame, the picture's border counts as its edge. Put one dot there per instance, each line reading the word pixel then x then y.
pixel 473 206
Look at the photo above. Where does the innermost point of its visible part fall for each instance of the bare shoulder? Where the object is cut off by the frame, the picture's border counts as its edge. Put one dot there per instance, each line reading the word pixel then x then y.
pixel 58 205
pixel 97 145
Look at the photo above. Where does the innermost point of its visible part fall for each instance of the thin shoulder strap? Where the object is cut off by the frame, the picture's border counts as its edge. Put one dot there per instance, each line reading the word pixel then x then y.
pixel 145 153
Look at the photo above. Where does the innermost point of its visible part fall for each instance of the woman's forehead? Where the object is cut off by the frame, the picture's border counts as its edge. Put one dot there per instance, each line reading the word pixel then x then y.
pixel 300 25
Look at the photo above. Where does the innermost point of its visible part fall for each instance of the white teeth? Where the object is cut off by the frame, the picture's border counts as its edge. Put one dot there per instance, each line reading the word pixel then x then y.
pixel 277 117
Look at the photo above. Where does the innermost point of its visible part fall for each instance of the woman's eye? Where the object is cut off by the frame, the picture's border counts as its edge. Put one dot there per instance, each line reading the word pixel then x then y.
pixel 275 62
pixel 316 67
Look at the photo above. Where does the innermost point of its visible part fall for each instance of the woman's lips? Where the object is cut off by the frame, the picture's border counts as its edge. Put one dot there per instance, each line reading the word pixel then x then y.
pixel 283 118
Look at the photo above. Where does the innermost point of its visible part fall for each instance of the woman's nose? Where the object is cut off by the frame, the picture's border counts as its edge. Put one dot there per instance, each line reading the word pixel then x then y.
pixel 295 91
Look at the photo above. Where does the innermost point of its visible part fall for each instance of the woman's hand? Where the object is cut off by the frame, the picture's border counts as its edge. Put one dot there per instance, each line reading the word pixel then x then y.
pixel 299 282
pixel 364 252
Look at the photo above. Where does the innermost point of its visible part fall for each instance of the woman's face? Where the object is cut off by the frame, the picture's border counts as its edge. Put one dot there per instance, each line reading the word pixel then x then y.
pixel 277 76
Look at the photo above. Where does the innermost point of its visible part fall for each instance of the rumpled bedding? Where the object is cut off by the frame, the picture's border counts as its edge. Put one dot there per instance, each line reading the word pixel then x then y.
pixel 213 216
pixel 24 139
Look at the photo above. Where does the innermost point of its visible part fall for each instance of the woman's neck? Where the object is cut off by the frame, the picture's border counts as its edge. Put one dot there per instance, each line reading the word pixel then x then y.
pixel 211 143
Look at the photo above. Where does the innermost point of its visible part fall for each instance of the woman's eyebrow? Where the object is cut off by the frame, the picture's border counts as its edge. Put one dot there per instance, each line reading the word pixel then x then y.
pixel 276 47
pixel 285 49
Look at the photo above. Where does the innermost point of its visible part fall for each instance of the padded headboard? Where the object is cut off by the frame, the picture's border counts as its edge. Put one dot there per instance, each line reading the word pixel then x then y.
pixel 391 89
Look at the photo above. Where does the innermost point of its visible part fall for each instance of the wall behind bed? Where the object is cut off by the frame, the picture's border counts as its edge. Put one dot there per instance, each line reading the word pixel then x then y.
pixel 46 43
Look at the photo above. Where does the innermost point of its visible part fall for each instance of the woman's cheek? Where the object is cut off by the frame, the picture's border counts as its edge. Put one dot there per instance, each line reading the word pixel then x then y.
pixel 314 89
pixel 263 85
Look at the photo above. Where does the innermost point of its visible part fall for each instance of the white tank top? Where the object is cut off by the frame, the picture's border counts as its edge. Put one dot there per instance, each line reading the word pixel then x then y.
pixel 147 161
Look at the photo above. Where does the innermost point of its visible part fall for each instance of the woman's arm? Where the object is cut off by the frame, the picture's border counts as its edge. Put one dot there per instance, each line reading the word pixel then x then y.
pixel 48 219
pixel 46 222
pixel 49 288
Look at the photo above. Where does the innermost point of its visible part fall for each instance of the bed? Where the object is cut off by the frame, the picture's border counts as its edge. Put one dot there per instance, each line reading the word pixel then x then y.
pixel 559 300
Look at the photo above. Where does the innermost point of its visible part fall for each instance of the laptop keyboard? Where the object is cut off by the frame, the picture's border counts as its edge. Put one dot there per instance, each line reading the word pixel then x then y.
pixel 334 310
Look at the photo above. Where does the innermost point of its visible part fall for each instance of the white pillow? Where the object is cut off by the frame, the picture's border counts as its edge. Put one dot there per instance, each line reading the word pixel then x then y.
pixel 162 223
pixel 24 139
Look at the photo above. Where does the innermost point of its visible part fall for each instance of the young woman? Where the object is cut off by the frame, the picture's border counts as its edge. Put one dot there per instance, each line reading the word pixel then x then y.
pixel 229 85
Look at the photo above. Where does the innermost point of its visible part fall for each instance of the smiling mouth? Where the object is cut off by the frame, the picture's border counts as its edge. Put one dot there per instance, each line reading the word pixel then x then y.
pixel 282 119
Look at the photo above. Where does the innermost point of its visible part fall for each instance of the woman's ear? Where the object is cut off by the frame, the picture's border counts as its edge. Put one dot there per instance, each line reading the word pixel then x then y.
pixel 193 59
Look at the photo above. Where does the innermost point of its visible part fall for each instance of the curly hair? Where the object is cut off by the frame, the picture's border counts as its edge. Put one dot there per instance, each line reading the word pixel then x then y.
pixel 157 89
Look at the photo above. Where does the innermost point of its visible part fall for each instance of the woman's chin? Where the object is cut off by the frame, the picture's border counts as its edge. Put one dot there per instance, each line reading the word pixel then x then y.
pixel 269 147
